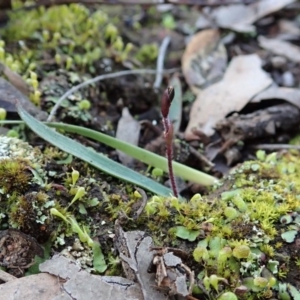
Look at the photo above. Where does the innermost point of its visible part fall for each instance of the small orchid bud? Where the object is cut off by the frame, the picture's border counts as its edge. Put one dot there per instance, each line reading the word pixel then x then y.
pixel 166 101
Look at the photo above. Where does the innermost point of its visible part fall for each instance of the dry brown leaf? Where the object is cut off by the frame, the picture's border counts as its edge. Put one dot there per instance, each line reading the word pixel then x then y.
pixel 15 79
pixel 274 92
pixel 128 130
pixel 243 79
pixel 79 284
pixel 280 47
pixel 241 17
pixel 40 286
pixel 9 94
pixel 204 60
pixel 288 30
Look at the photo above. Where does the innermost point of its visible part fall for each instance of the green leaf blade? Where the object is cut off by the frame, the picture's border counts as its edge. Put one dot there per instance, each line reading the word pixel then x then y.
pixel 95 159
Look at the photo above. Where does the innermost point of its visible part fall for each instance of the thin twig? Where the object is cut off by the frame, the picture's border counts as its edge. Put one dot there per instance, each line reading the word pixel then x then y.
pixel 275 146
pixel 98 78
pixel 160 61
pixel 201 157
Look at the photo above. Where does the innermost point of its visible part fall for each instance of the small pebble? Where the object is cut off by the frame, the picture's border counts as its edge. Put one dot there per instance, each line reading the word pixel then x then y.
pixel 278 62
pixel 288 79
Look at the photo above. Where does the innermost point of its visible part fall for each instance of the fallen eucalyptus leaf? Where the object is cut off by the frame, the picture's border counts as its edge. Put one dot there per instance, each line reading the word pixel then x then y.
pixel 204 60
pixel 290 95
pixel 244 78
pixel 15 79
pixel 280 47
pixel 10 94
pixel 240 17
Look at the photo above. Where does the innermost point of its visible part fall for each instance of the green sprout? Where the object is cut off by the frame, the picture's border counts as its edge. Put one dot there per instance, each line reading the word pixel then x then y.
pixel 80 192
pixel 2 113
pixel 70 220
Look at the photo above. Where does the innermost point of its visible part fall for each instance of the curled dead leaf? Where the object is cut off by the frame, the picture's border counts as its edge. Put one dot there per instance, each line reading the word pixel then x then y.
pixel 279 47
pixel 243 79
pixel 204 60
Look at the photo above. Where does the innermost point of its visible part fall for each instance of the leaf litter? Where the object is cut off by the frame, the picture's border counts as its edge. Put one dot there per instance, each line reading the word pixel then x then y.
pixel 240 17
pixel 280 47
pixel 243 79
pixel 204 60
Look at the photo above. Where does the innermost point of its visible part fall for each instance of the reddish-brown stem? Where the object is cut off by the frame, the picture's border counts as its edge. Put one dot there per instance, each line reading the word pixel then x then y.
pixel 169 154
pixel 165 106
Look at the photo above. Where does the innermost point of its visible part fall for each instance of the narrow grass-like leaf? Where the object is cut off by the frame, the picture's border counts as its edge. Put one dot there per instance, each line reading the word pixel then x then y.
pixel 145 156
pixel 95 159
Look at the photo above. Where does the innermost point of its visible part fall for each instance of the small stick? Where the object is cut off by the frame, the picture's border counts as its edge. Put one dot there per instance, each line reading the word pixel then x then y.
pixel 166 101
pixel 160 61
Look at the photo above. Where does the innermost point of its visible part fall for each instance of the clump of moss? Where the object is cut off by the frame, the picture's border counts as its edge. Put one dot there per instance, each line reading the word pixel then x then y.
pixel 246 235
pixel 73 35
pixel 243 237
pixel 69 37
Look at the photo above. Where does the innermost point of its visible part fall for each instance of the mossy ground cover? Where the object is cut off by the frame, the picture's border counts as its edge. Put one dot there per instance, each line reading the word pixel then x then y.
pixel 242 237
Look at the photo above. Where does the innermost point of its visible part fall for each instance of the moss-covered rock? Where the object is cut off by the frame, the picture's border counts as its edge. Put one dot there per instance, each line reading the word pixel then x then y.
pixel 247 229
